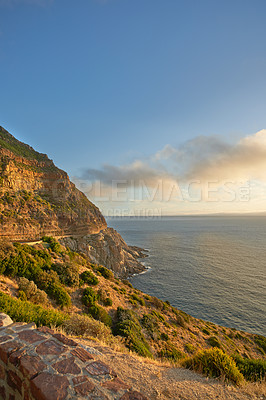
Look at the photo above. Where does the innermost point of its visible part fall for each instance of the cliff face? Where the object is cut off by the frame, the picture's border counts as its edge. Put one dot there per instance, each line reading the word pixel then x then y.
pixel 37 199
pixel 108 248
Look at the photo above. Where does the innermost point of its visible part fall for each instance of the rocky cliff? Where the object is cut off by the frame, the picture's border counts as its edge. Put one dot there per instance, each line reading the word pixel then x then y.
pixel 37 199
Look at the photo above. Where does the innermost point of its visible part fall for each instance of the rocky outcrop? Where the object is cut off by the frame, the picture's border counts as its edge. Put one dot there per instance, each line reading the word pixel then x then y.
pixel 108 248
pixel 40 364
pixel 37 199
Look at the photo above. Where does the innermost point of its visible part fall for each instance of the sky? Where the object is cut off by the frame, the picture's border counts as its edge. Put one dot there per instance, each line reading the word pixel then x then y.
pixel 151 106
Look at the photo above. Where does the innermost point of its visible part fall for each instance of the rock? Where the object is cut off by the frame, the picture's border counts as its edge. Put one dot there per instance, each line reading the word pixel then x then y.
pixel 109 249
pixel 5 320
pixel 37 199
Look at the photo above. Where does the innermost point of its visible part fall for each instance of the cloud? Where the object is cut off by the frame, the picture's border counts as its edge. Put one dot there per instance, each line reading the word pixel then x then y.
pixel 202 158
pixel 246 160
pixel 136 172
pixel 205 174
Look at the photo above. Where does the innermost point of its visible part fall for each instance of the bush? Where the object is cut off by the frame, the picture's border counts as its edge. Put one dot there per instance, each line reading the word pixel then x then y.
pixel 190 348
pixel 126 282
pixel 171 353
pixel 261 342
pixel 252 370
pixel 60 295
pixel 128 326
pixel 28 287
pixel 139 299
pixel 179 320
pixel 24 311
pixel 40 297
pixel 216 364
pixel 83 325
pixel 89 297
pixel 106 273
pixel 89 278
pixel 68 274
pixel 49 282
pixel 100 314
pixel 53 243
pixel 214 342
pixel 156 302
pixel 31 292
pixel 22 295
pixel 150 323
pixel 108 302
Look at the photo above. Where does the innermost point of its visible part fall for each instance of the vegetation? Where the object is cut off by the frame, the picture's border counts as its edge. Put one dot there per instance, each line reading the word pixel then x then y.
pixel 8 141
pixel 170 352
pixel 216 364
pixel 89 278
pixel 24 311
pixel 105 272
pixel 127 325
pixel 48 275
pixel 252 370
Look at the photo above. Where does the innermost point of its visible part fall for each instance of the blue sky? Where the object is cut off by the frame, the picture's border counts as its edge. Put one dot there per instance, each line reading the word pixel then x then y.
pixel 114 81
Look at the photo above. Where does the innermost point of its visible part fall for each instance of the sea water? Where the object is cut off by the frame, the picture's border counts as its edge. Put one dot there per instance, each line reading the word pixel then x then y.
pixel 210 267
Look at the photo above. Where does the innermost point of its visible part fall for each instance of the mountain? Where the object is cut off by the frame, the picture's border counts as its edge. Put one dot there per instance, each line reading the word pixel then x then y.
pixel 38 199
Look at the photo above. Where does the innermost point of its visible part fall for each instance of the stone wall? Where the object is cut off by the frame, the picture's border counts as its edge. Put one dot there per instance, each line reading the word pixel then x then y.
pixel 40 364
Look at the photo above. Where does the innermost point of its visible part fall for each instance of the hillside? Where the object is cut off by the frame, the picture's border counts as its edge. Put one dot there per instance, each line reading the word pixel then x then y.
pixel 87 301
pixel 37 199
pixel 62 267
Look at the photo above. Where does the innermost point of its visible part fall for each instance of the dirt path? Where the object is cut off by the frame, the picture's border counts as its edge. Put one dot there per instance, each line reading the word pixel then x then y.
pixel 163 383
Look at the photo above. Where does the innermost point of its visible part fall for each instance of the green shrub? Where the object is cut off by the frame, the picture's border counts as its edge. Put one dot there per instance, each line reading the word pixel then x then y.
pixel 149 322
pixel 24 311
pixel 22 295
pixel 261 342
pixel 60 295
pixel 206 331
pixel 170 352
pixel 31 292
pixel 156 302
pixel 68 274
pixel 40 297
pixel 89 278
pixel 108 302
pixel 53 244
pixel 89 297
pixel 28 287
pixel 190 348
pixel 49 282
pixel 214 342
pixel 126 282
pixel 216 364
pixel 106 273
pixel 139 299
pixel 127 326
pixel 100 314
pixel 252 370
pixel 84 325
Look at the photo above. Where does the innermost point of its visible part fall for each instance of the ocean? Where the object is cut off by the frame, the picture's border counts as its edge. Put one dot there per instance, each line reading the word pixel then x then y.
pixel 213 268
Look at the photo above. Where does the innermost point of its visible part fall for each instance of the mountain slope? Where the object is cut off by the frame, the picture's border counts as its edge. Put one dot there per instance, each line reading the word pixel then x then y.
pixel 37 199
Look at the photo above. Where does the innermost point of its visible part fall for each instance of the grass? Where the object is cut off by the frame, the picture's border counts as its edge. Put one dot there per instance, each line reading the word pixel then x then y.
pixel 24 311
pixel 252 370
pixel 215 364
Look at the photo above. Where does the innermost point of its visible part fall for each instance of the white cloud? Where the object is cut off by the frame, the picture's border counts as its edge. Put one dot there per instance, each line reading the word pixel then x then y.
pixel 202 171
